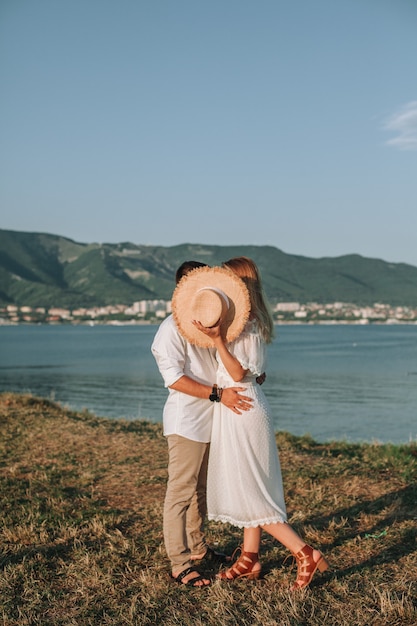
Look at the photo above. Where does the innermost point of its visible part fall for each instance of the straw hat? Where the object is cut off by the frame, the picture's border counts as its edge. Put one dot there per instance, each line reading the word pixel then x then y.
pixel 207 294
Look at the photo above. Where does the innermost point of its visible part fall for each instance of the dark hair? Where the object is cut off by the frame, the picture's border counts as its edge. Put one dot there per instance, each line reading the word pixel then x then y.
pixel 186 267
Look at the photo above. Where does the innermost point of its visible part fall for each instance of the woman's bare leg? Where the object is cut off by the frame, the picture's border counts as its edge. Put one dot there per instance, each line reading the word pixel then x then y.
pixel 286 535
pixel 308 559
pixel 252 539
pixel 248 563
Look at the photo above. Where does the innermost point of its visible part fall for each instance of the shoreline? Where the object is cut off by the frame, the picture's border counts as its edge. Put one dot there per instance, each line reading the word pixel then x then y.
pixel 66 406
pixel 389 322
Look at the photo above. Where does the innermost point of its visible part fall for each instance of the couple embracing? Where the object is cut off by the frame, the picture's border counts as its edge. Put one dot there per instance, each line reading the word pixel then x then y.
pixel 223 458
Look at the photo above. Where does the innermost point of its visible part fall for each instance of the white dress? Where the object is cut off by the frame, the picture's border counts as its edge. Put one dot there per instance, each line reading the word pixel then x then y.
pixel 244 485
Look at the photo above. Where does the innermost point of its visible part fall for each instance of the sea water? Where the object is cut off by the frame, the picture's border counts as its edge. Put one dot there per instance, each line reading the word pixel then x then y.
pixel 351 382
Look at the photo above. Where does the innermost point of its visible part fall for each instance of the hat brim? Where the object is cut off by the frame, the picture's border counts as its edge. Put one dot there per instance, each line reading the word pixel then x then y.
pixel 218 278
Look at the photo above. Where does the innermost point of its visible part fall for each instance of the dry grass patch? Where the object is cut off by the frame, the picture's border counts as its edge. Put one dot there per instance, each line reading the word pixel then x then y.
pixel 81 529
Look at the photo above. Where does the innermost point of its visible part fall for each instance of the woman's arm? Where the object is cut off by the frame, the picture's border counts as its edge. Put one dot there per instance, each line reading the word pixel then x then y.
pixel 232 365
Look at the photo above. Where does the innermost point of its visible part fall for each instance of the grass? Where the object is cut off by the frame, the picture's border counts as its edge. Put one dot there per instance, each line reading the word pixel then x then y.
pixel 81 529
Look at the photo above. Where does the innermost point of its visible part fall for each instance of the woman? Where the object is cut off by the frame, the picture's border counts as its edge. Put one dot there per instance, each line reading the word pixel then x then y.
pixel 244 477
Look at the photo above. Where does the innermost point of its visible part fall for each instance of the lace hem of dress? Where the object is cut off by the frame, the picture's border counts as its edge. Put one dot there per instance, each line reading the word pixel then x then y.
pixel 247 524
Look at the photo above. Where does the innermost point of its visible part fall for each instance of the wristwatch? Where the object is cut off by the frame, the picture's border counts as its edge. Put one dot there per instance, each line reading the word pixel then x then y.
pixel 214 396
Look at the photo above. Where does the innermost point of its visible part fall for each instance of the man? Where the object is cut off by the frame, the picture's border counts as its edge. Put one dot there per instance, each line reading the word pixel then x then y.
pixel 189 373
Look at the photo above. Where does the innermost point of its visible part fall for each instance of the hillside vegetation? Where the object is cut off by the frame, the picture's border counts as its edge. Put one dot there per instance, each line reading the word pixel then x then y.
pixel 81 534
pixel 48 270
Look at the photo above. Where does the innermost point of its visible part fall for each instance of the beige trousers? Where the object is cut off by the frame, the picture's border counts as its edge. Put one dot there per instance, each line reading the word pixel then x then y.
pixel 185 505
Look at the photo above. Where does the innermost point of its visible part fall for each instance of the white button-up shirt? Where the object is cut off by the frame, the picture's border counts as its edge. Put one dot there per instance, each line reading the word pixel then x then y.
pixel 183 414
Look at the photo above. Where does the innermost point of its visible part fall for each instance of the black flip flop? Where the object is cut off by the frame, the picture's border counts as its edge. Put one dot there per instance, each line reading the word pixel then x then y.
pixel 191 583
pixel 213 556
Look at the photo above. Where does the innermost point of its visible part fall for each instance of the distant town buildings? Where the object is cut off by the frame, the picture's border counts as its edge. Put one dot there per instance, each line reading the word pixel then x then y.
pixel 343 312
pixel 153 311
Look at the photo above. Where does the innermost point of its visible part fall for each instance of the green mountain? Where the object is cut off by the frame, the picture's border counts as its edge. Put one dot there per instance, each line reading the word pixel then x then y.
pixel 39 269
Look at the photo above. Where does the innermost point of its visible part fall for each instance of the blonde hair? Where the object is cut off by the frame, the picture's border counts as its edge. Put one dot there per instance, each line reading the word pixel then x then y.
pixel 246 269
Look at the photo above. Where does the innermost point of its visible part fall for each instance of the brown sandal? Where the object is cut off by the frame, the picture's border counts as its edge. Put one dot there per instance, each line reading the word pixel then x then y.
pixel 243 568
pixel 307 567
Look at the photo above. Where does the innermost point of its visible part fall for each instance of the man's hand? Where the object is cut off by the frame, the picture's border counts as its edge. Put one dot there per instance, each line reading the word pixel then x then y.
pixel 235 401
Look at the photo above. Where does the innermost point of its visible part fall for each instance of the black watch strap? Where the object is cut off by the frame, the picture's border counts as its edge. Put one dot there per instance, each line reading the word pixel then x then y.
pixel 214 396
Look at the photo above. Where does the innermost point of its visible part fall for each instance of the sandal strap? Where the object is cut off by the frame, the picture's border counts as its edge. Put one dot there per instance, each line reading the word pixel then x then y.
pixel 244 564
pixel 307 566
pixel 185 572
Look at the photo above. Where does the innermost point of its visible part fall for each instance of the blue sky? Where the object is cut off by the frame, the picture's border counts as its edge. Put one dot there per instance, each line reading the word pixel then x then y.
pixel 286 123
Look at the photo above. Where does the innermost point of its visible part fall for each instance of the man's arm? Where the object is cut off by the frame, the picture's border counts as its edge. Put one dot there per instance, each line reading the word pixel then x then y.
pixel 231 396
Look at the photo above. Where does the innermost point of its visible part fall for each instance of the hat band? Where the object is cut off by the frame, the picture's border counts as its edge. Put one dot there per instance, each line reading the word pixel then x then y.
pixel 219 292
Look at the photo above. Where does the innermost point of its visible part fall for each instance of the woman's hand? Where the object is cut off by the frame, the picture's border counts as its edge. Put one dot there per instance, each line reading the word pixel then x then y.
pixel 214 332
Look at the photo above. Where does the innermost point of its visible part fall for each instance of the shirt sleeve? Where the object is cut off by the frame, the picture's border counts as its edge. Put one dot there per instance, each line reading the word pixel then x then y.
pixel 169 353
pixel 250 351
